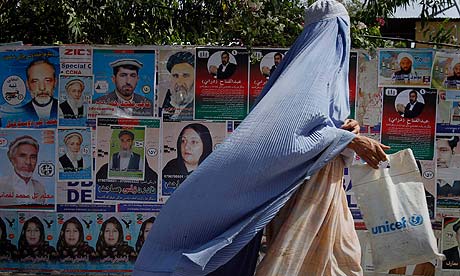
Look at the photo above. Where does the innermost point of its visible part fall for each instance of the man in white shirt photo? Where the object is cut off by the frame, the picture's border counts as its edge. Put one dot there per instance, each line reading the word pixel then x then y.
pixel 21 187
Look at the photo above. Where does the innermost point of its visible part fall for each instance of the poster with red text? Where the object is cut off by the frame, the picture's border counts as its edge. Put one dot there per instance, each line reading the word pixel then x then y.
pixel 263 64
pixel 221 84
pixel 409 120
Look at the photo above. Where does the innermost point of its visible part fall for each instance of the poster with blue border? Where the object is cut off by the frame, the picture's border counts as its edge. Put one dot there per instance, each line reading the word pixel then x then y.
pixel 74 154
pixel 28 173
pixel 29 80
pixel 125 79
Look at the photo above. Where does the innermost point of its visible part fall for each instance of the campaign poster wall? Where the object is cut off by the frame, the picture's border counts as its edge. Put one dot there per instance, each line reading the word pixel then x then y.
pixel 176 83
pixel 29 80
pixel 125 80
pixel 221 84
pixel 28 171
pixel 127 159
pixel 405 68
pixel 408 120
pixel 264 62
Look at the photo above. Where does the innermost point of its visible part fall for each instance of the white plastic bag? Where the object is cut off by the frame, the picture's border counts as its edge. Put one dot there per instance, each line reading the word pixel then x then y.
pixel 392 202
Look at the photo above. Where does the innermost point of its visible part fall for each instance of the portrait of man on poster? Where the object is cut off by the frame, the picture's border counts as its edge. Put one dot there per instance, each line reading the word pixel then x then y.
pixel 21 184
pixel 72 159
pixel 268 71
pixel 125 78
pixel 405 72
pixel 413 108
pixel 72 107
pixel 225 69
pixel 41 82
pixel 125 159
pixel 178 103
pixel 452 260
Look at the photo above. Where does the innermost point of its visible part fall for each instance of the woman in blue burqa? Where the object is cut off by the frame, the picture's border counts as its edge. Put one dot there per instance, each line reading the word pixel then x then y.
pixel 292 139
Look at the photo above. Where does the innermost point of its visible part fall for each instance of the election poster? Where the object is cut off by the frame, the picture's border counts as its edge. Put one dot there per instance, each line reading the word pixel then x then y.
pixel 221 84
pixel 185 146
pixel 448 166
pixel 76 60
pixel 37 240
pixel 264 61
pixel 74 154
pixel 409 120
pixel 127 159
pixel 446 71
pixel 448 115
pixel 405 68
pixel 368 97
pixel 77 235
pixel 144 222
pixel 115 248
pixel 75 94
pixel 450 243
pixel 29 88
pixel 125 80
pixel 427 170
pixel 176 83
pixel 9 239
pixel 28 170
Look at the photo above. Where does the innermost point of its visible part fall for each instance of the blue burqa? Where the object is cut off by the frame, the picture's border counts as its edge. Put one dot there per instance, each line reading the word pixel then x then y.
pixel 291 133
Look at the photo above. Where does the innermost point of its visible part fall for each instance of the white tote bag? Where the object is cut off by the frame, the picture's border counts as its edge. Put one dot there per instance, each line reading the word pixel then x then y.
pixel 392 202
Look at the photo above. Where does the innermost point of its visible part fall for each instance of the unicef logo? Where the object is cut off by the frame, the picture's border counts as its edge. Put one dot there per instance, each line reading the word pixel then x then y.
pixel 416 220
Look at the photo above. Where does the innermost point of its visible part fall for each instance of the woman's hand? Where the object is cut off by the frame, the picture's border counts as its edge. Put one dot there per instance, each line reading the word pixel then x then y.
pixel 351 125
pixel 369 150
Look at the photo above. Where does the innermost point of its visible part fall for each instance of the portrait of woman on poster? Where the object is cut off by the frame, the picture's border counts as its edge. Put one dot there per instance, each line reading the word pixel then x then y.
pixel 143 232
pixel 110 246
pixel 32 245
pixel 72 160
pixel 8 251
pixel 194 144
pixel 71 246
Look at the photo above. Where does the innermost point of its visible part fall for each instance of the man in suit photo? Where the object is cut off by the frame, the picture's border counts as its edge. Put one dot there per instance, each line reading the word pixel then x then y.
pixel 123 98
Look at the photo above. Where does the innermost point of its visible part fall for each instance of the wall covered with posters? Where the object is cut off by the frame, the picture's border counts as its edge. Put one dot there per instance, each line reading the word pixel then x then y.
pixel 95 139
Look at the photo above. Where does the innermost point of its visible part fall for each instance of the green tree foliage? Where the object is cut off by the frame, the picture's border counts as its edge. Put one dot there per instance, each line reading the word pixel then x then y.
pixel 198 22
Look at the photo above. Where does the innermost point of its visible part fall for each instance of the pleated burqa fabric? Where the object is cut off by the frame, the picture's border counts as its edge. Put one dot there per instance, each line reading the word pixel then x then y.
pixel 291 134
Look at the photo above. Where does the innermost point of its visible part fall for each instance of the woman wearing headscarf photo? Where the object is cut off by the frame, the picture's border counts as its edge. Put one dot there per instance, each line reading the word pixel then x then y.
pixel 32 245
pixel 143 232
pixel 194 144
pixel 110 245
pixel 71 246
pixel 8 252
